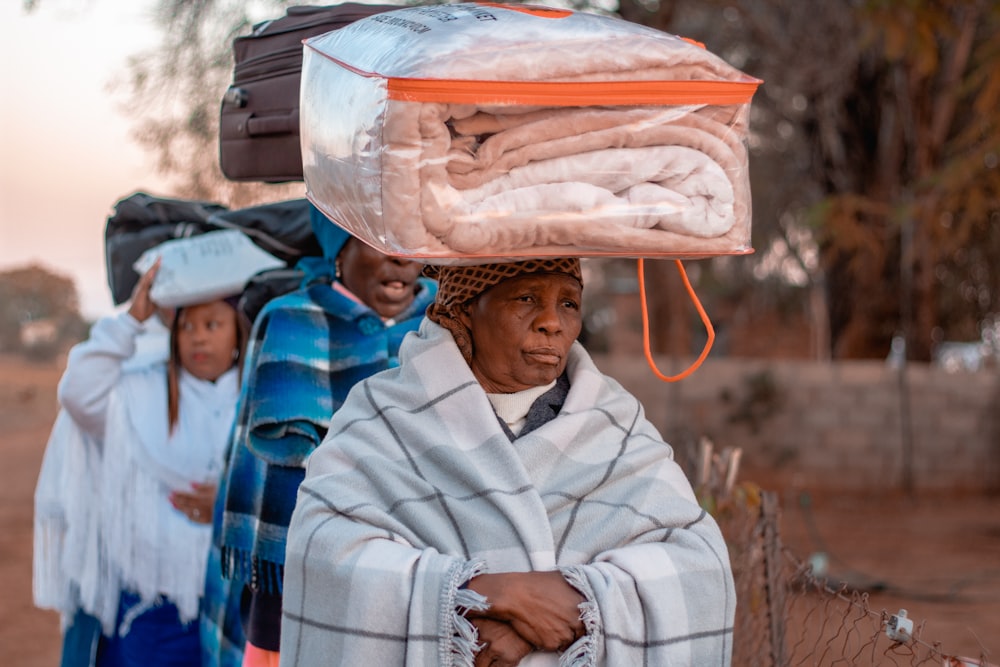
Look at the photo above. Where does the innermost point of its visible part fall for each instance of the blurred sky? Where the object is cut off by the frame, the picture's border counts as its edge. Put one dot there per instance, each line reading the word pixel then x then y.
pixel 65 152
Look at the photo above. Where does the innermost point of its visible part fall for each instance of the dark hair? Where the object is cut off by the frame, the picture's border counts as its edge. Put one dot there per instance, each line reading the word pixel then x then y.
pixel 174 362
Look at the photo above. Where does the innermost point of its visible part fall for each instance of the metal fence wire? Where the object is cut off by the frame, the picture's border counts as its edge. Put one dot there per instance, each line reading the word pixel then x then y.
pixel 785 615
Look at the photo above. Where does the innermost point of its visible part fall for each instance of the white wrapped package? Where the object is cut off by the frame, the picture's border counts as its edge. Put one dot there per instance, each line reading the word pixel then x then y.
pixel 203 268
pixel 467 133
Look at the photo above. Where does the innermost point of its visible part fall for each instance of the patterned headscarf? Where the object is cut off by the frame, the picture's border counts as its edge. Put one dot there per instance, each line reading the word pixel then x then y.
pixel 457 285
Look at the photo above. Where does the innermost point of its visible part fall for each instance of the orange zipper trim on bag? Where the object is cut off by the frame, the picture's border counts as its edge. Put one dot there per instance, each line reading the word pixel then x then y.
pixel 531 10
pixel 561 93
pixel 570 93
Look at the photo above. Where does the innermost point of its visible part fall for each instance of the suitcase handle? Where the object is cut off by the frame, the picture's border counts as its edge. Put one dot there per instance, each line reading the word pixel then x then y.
pixel 264 125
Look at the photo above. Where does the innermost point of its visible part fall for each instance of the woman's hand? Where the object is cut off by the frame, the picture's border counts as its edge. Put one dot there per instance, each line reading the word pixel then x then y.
pixel 540 606
pixel 142 306
pixel 503 646
pixel 196 505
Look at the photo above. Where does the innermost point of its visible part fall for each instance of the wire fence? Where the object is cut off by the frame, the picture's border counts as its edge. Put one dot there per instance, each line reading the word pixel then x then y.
pixel 788 616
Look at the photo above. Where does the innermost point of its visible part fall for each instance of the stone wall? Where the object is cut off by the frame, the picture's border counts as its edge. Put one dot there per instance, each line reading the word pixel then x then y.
pixel 844 425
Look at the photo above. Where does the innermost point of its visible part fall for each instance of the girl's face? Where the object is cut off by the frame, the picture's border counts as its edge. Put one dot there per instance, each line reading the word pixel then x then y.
pixel 207 339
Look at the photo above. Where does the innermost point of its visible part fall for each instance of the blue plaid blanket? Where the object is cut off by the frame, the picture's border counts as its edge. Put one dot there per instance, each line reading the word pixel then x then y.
pixel 307 350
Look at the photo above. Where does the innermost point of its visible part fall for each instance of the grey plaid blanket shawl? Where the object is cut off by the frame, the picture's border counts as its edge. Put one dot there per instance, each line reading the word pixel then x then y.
pixel 416 489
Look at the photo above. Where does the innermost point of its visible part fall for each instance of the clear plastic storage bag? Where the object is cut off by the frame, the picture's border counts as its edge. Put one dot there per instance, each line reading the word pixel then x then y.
pixel 202 268
pixel 469 133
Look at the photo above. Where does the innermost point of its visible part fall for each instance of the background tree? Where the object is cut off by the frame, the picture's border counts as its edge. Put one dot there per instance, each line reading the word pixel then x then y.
pixel 33 295
pixel 174 91
pixel 875 162
pixel 874 159
pixel 935 194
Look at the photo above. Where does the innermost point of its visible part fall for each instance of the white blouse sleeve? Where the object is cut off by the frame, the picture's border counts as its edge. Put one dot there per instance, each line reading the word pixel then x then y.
pixel 94 368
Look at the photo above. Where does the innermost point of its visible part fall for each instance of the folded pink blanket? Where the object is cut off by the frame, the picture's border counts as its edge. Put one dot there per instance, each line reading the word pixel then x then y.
pixel 488 179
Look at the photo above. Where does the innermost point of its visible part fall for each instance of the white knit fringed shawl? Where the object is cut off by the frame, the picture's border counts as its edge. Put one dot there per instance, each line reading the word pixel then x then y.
pixel 417 488
pixel 152 547
pixel 66 572
pixel 69 569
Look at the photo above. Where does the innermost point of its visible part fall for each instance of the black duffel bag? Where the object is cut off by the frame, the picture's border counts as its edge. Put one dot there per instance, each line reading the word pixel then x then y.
pixel 142 221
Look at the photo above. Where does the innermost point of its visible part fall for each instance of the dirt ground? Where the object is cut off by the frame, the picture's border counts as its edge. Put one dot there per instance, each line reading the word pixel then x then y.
pixel 937 557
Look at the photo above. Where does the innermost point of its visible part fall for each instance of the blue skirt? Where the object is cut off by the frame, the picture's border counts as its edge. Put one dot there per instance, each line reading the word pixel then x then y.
pixel 150 636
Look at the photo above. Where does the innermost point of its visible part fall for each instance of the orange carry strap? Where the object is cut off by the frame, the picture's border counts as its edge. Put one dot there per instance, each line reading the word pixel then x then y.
pixel 645 325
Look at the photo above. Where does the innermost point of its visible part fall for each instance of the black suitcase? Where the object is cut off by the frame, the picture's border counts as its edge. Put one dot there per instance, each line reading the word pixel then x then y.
pixel 259 117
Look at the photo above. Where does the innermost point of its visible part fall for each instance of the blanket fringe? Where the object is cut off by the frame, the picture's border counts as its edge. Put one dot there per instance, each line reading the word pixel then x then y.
pixel 261 575
pixel 267 576
pixel 49 589
pixel 151 548
pixel 464 642
pixel 235 563
pixel 64 505
pixel 584 651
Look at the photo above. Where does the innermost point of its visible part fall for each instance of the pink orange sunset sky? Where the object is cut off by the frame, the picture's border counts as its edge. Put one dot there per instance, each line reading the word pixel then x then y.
pixel 66 152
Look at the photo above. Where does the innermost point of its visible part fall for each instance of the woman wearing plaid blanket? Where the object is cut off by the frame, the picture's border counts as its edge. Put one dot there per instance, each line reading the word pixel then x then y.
pixel 497 500
pixel 306 350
